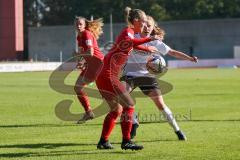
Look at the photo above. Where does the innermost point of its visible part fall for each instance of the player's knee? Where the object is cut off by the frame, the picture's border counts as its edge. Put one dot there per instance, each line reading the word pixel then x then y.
pixel 128 103
pixel 78 90
pixel 161 105
pixel 118 109
pixel 131 103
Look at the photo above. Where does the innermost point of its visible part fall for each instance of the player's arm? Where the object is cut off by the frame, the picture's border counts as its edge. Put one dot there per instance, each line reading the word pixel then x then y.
pixel 148 49
pixel 81 63
pixel 181 55
pixel 81 51
pixel 89 52
pixel 88 40
pixel 138 41
pixel 165 49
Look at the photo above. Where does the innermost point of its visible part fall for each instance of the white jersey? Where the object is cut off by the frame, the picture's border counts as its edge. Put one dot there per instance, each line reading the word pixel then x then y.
pixel 136 64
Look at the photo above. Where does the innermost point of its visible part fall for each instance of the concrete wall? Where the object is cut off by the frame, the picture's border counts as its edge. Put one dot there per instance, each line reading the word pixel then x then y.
pixel 46 43
pixel 205 38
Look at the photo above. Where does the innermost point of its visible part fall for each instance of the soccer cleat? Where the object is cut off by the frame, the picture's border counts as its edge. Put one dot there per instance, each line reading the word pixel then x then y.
pixel 181 135
pixel 104 145
pixel 131 145
pixel 87 116
pixel 133 132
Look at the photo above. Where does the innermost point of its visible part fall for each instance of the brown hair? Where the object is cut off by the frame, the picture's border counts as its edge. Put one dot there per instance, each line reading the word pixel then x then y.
pixel 94 26
pixel 132 14
pixel 156 29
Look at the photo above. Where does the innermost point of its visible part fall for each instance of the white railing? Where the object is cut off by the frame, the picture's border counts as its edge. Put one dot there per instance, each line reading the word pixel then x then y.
pixel 28 66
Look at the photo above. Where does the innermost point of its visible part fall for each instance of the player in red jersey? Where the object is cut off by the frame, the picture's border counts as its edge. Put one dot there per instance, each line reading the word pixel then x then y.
pixel 88 33
pixel 135 75
pixel 109 85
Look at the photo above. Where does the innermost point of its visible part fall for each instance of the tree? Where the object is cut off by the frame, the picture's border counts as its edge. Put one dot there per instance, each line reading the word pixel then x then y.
pixel 62 12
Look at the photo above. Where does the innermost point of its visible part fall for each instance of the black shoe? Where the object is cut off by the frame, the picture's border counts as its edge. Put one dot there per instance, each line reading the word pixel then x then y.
pixel 134 130
pixel 104 145
pixel 181 135
pixel 131 145
pixel 87 116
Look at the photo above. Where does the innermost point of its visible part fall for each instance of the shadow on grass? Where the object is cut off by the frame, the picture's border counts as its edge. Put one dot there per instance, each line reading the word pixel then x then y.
pixel 45 145
pixel 58 145
pixel 47 125
pixel 196 120
pixel 71 152
pixel 99 124
pixel 158 140
pixel 63 153
pixel 150 141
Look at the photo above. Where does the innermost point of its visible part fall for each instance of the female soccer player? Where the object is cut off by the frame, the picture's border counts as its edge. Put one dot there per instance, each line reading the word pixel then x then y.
pixel 110 86
pixel 136 67
pixel 88 33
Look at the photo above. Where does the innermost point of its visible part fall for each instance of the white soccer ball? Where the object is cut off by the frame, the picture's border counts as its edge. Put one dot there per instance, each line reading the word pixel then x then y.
pixel 156 64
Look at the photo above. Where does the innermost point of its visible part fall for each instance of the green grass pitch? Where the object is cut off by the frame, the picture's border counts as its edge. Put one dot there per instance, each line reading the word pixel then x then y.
pixel 207 100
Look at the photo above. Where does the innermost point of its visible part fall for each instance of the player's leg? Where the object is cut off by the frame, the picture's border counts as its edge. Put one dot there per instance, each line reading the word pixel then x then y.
pixel 127 81
pixel 126 120
pixel 157 98
pixel 116 97
pixel 87 76
pixel 83 98
pixel 109 124
pixel 135 125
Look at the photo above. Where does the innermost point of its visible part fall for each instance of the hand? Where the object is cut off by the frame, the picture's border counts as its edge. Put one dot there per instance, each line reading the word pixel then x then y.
pixel 157 37
pixel 194 59
pixel 152 49
pixel 89 52
pixel 81 64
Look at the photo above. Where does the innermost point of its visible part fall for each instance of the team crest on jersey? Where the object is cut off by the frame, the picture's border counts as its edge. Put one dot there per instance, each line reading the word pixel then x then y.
pixel 89 42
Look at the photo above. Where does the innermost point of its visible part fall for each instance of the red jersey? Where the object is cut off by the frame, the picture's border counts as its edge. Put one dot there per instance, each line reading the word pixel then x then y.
pixel 108 80
pixel 117 57
pixel 87 41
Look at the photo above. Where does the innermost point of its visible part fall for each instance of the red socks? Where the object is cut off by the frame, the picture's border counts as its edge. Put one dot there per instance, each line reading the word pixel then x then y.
pixel 83 98
pixel 108 125
pixel 126 122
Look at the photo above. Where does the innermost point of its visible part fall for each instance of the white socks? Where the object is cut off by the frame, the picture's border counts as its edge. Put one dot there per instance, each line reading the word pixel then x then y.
pixel 170 118
pixel 135 118
pixel 167 114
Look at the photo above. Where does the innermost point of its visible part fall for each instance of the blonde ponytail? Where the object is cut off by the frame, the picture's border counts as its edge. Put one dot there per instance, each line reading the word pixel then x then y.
pixel 156 29
pixel 94 26
pixel 131 14
pixel 127 12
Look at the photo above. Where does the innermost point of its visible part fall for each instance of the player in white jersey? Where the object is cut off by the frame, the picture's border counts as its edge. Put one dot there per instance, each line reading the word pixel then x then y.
pixel 135 75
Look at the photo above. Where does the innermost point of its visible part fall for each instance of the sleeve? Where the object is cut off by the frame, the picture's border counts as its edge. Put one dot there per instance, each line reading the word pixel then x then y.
pixel 136 41
pixel 88 40
pixel 162 47
pixel 142 48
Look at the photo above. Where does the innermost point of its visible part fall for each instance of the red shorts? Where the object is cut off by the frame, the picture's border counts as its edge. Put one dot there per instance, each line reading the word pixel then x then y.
pixel 93 69
pixel 110 87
